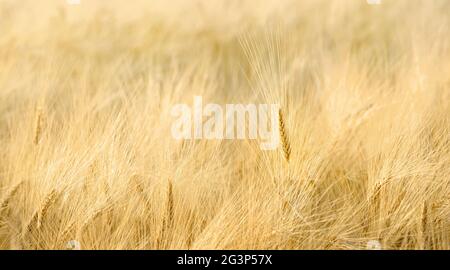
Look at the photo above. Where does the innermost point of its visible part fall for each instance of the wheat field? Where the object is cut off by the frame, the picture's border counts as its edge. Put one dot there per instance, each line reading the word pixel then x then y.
pixel 87 155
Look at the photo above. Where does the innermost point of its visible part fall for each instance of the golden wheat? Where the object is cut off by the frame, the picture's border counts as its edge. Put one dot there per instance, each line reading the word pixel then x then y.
pixel 38 125
pixel 286 147
pixel 38 216
pixel 5 201
pixel 90 219
pixel 87 95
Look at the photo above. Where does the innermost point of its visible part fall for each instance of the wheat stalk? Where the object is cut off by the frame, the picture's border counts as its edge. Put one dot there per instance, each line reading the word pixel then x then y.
pixel 286 146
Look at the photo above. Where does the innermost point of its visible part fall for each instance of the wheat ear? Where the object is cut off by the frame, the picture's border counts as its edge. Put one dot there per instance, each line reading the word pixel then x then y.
pixel 141 191
pixel 168 218
pixel 90 218
pixel 424 225
pixel 38 125
pixel 375 196
pixel 170 204
pixel 15 243
pixel 67 230
pixel 10 194
pixel 42 211
pixel 51 197
pixel 286 146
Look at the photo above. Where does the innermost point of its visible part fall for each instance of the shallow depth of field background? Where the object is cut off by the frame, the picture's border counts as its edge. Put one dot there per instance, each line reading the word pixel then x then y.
pixel 87 154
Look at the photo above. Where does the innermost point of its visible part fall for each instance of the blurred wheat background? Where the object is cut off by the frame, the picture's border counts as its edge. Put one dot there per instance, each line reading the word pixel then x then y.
pixel 87 154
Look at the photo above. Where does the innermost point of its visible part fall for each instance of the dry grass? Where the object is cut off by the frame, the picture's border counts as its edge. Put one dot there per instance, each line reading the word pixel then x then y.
pixel 85 99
